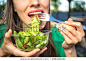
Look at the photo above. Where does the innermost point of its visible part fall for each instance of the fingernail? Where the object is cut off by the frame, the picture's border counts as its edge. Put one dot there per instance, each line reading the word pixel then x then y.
pixel 9 30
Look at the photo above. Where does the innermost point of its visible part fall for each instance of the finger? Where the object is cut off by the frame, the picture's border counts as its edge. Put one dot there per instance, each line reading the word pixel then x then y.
pixel 73 35
pixel 65 37
pixel 76 34
pixel 7 37
pixel 78 25
pixel 64 28
pixel 71 29
pixel 69 39
pixel 26 54
pixel 8 34
pixel 45 48
pixel 17 52
pixel 70 20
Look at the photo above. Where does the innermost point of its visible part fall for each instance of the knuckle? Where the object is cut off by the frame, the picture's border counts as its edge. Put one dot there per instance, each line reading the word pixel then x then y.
pixel 83 34
pixel 79 39
pixel 69 42
pixel 76 41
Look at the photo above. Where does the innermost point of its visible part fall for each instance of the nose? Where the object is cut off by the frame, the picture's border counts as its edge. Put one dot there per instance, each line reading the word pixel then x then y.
pixel 34 3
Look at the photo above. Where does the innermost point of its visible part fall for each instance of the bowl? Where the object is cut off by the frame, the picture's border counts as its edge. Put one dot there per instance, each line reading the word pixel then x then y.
pixel 31 42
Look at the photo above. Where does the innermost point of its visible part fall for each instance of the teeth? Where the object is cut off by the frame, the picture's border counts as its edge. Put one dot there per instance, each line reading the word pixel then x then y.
pixel 35 13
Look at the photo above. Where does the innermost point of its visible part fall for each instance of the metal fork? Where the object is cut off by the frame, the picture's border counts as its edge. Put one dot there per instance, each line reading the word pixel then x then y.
pixel 48 17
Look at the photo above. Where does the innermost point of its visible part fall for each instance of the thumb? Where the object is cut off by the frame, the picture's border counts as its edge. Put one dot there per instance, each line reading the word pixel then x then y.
pixel 8 34
pixel 70 20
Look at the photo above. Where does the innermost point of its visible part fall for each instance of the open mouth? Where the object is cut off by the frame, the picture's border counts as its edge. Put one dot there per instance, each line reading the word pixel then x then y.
pixel 39 14
pixel 31 13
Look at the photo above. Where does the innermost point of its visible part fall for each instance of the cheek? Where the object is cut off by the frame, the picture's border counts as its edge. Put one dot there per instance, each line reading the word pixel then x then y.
pixel 45 3
pixel 20 5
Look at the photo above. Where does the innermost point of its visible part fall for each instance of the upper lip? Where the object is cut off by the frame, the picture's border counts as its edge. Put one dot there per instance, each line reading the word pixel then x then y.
pixel 38 10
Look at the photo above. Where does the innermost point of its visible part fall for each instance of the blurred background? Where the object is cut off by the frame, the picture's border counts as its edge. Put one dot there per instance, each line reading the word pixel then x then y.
pixel 62 10
pixel 75 9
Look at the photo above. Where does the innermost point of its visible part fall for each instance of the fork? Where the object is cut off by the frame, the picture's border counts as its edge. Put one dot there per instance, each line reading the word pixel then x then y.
pixel 48 17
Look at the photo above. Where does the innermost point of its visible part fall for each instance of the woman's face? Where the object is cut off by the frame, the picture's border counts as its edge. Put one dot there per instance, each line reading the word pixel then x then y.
pixel 25 7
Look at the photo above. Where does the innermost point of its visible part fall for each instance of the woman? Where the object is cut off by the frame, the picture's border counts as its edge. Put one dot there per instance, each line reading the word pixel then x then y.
pixel 16 13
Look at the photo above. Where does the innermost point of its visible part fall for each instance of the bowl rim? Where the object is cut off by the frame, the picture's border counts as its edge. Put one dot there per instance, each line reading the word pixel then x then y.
pixel 46 31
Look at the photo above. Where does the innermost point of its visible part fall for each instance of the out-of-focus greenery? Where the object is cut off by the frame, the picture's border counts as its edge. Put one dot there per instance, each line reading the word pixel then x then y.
pixel 2 7
pixel 55 4
pixel 1 10
pixel 79 6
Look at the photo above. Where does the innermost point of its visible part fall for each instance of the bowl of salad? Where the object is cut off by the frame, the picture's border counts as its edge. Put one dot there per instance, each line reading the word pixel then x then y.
pixel 26 41
pixel 32 38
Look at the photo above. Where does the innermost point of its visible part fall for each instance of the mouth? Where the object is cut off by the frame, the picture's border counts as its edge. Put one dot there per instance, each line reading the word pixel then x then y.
pixel 31 13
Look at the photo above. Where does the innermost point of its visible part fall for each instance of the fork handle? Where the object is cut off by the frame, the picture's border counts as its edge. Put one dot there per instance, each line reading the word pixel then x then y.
pixel 84 26
pixel 58 21
pixel 53 19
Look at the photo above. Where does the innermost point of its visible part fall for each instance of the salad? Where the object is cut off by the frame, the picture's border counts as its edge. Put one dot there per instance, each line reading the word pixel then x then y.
pixel 35 38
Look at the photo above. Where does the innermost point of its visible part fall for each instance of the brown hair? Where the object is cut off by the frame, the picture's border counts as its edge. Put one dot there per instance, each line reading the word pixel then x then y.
pixel 13 22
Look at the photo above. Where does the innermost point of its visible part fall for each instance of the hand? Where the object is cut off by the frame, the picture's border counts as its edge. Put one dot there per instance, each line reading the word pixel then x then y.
pixel 71 34
pixel 40 52
pixel 8 48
